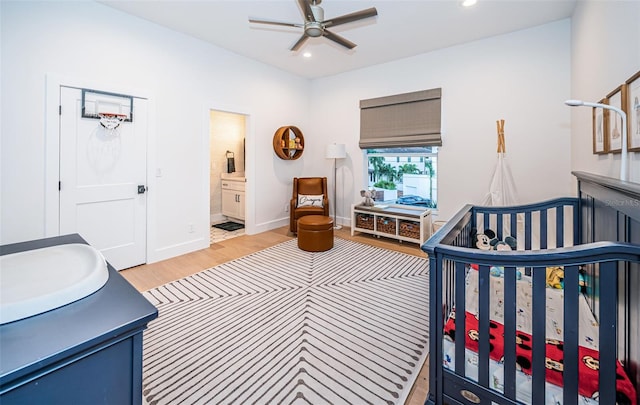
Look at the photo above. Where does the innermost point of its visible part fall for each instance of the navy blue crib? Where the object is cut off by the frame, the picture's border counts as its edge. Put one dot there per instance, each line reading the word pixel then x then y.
pixel 595 239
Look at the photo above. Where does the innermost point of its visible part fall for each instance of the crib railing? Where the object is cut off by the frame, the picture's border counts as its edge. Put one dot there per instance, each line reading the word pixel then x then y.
pixel 533 226
pixel 449 257
pixel 552 223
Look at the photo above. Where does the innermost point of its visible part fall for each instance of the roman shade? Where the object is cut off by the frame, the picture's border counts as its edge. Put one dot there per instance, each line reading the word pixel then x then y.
pixel 402 120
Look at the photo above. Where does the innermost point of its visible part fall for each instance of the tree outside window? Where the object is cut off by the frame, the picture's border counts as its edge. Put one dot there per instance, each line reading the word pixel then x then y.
pixel 410 172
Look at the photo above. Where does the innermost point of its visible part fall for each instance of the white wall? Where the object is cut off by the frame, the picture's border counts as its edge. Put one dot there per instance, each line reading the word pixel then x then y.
pixel 605 51
pixel 185 78
pixel 522 77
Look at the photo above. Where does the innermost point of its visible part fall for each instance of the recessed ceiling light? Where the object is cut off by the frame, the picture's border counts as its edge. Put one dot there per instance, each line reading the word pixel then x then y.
pixel 307 54
pixel 468 3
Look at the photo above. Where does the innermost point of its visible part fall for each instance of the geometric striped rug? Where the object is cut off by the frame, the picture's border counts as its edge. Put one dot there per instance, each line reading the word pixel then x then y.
pixel 346 326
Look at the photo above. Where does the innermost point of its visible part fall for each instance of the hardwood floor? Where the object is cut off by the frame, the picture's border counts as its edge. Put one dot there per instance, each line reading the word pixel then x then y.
pixel 154 275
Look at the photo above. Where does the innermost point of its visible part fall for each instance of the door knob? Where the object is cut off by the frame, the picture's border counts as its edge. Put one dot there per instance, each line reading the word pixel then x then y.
pixel 141 189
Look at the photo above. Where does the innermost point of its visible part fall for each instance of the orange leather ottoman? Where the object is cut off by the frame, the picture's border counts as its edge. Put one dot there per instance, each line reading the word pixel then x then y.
pixel 315 233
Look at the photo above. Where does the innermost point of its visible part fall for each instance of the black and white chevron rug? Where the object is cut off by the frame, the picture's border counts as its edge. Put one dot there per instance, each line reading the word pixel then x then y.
pixel 346 326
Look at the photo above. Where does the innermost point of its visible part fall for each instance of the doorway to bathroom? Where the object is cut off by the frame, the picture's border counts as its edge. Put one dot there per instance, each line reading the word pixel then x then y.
pixel 227 174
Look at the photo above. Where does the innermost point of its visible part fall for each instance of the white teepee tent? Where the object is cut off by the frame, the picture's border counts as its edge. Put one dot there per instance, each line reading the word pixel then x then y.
pixel 502 189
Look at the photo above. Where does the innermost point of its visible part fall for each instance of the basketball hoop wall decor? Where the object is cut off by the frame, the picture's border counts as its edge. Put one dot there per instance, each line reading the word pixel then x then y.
pixel 111 121
pixel 110 108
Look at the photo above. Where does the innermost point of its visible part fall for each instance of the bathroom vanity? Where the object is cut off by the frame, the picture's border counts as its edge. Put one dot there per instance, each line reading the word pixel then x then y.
pixel 85 352
pixel 233 197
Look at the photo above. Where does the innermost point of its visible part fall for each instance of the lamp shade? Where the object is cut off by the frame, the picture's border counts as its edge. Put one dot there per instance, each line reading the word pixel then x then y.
pixel 336 151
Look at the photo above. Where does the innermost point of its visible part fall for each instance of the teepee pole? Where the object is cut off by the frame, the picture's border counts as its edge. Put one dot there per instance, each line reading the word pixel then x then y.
pixel 501 144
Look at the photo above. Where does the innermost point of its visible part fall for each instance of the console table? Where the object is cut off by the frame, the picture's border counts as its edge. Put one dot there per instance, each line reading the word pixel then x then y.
pixel 402 222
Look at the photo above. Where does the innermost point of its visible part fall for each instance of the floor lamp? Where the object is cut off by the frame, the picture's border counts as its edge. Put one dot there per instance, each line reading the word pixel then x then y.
pixel 335 151
pixel 623 115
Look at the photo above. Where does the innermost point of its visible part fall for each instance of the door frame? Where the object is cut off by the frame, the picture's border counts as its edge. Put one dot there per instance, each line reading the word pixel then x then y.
pixel 249 166
pixel 53 83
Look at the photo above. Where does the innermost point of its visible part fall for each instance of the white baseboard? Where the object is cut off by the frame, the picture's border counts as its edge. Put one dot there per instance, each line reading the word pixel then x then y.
pixel 267 226
pixel 178 249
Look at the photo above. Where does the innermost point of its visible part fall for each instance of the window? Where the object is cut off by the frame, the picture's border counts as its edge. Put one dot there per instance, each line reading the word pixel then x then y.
pixel 401 135
pixel 404 175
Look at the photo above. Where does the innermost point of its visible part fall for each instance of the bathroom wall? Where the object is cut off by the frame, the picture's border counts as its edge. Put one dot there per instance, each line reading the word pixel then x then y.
pixel 227 132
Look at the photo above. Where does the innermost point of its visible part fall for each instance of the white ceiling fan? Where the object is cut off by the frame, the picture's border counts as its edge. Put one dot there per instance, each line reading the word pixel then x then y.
pixel 316 26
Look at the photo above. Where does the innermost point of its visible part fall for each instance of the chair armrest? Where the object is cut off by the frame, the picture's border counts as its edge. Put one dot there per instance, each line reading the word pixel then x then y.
pixel 292 215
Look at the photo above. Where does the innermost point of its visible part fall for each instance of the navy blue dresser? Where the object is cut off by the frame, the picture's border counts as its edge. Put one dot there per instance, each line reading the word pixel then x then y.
pixel 86 352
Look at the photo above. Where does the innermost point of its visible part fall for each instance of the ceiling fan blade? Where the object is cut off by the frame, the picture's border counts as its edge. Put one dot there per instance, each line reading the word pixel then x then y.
pixel 300 42
pixel 286 24
pixel 306 10
pixel 347 18
pixel 338 39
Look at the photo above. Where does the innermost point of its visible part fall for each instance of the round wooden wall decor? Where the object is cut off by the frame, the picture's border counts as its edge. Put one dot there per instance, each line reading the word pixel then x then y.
pixel 288 142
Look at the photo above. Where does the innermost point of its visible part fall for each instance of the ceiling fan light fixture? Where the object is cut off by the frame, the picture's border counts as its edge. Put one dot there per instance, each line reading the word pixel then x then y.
pixel 316 26
pixel 468 3
pixel 314 29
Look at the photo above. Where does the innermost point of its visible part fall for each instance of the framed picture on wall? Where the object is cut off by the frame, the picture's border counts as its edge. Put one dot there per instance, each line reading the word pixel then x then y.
pixel 614 121
pixel 600 144
pixel 633 112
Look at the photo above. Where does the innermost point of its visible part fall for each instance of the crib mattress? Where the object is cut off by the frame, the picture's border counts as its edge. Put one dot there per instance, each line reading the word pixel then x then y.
pixel 588 346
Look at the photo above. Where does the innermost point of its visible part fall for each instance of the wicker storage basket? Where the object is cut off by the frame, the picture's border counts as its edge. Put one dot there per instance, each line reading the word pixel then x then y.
pixel 364 221
pixel 409 229
pixel 386 225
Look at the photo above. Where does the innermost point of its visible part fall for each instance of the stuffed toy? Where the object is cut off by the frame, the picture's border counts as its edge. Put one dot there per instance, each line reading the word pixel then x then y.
pixel 555 278
pixel 368 197
pixel 481 241
pixel 487 240
pixel 498 271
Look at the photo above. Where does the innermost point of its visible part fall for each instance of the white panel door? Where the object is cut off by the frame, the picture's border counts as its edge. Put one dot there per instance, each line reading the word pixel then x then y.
pixel 103 180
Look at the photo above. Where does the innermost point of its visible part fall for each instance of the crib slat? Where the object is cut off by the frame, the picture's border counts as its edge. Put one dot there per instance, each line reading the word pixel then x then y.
pixel 486 221
pixel 460 319
pixel 527 230
pixel 543 229
pixel 538 331
pixel 483 326
pixel 608 332
pixel 560 226
pixel 499 227
pixel 570 364
pixel 510 332
pixel 514 225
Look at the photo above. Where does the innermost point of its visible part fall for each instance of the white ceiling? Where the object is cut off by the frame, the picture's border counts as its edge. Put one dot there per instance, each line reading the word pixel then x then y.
pixel 401 29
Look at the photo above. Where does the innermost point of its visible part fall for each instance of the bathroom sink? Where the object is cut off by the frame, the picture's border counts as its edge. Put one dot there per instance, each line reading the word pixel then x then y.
pixel 39 280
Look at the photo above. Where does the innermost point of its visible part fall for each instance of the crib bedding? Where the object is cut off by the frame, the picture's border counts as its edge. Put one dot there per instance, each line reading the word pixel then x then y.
pixel 588 332
pixel 588 346
pixel 553 393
